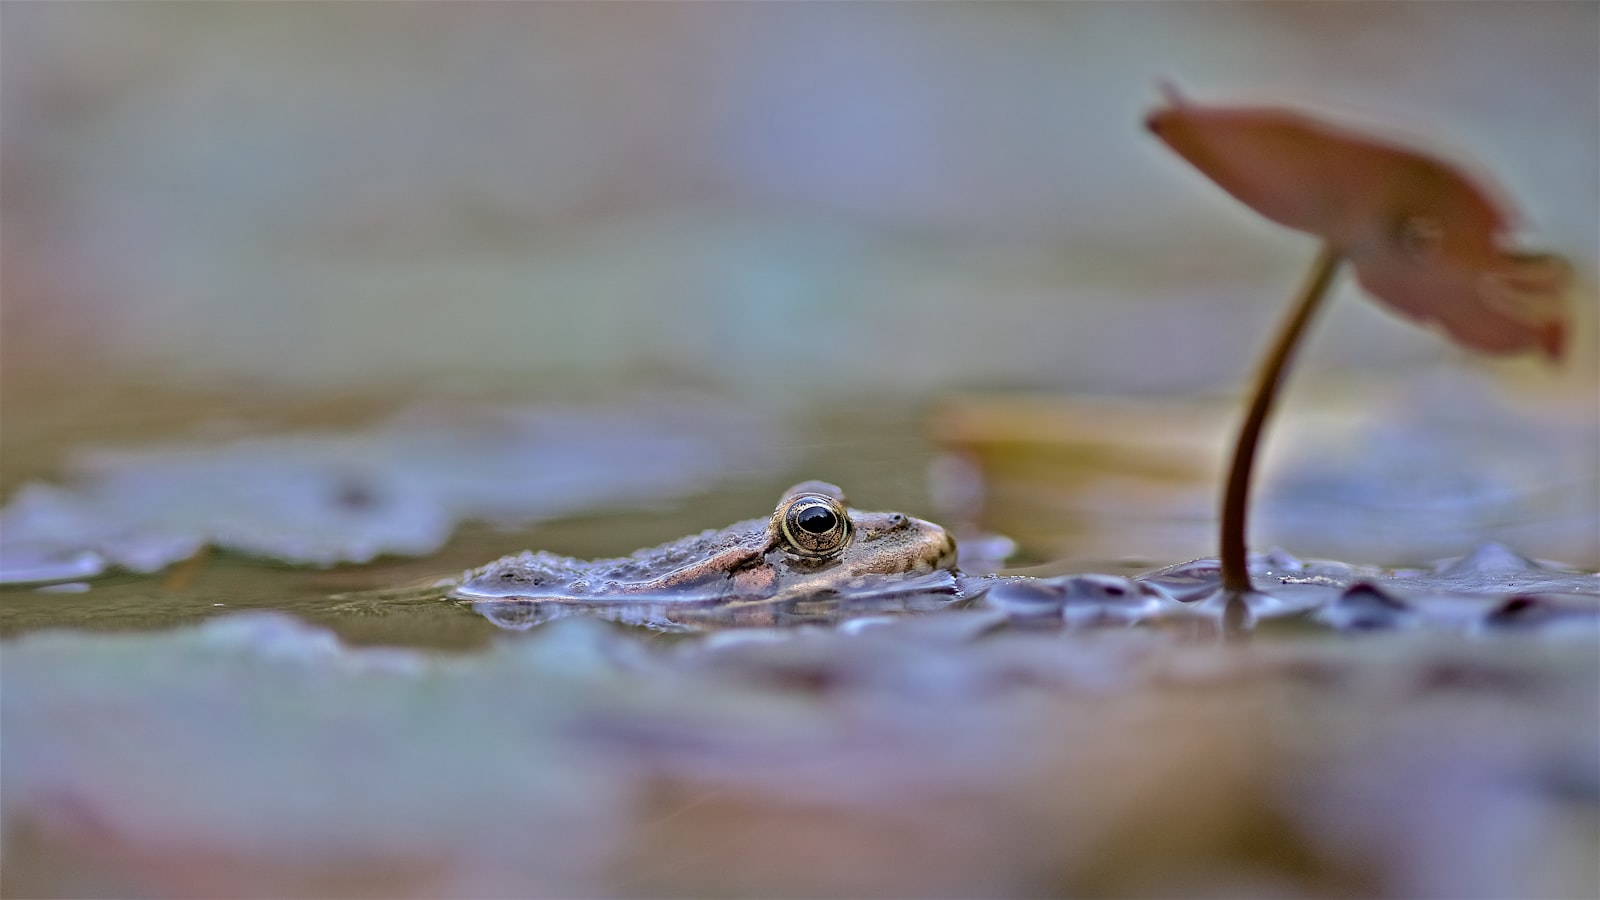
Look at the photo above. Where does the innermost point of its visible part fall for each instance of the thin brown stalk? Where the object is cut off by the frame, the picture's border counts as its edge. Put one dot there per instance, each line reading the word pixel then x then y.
pixel 1235 500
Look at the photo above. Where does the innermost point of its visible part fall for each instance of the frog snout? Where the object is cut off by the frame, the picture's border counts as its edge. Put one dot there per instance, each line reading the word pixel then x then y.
pixel 947 552
pixel 938 545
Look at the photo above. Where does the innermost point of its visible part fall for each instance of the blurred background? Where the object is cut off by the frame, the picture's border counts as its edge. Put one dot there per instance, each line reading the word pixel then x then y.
pixel 930 209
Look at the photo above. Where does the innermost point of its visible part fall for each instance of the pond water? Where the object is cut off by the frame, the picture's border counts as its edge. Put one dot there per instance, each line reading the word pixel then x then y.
pixel 231 723
pixel 225 517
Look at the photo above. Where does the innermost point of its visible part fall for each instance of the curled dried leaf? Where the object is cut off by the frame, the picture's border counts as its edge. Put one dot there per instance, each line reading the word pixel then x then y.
pixel 1512 303
pixel 1422 236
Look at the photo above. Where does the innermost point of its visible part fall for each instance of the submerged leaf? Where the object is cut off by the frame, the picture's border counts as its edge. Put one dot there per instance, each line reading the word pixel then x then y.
pixel 1421 235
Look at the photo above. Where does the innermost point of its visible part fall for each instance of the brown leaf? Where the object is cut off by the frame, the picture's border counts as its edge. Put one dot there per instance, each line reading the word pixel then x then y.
pixel 1423 237
pixel 1516 302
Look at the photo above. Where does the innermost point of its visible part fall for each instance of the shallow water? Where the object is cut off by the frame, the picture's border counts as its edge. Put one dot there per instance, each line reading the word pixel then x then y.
pixel 137 498
pixel 885 464
pixel 232 725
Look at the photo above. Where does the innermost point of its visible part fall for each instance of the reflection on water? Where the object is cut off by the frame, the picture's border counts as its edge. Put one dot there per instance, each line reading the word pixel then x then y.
pixel 1491 589
pixel 852 598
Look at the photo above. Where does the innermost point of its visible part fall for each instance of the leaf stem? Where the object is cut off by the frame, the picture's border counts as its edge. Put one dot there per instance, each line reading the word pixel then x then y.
pixel 1235 500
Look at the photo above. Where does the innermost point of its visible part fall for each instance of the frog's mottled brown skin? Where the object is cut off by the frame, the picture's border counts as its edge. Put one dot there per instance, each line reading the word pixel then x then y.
pixel 787 555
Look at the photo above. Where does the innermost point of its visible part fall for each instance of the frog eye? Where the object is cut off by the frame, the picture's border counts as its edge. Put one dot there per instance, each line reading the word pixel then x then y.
pixel 815 525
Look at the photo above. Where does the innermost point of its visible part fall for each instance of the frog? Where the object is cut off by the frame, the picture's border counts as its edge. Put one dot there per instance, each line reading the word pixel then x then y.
pixel 812 554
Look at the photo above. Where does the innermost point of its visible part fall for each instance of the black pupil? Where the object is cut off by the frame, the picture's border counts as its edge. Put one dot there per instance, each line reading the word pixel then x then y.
pixel 817 520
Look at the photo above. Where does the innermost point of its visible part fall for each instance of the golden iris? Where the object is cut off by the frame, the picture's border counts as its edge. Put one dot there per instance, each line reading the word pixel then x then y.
pixel 815 525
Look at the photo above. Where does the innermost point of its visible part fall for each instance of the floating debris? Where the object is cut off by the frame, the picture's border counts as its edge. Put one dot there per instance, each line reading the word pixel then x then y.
pixel 399 488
